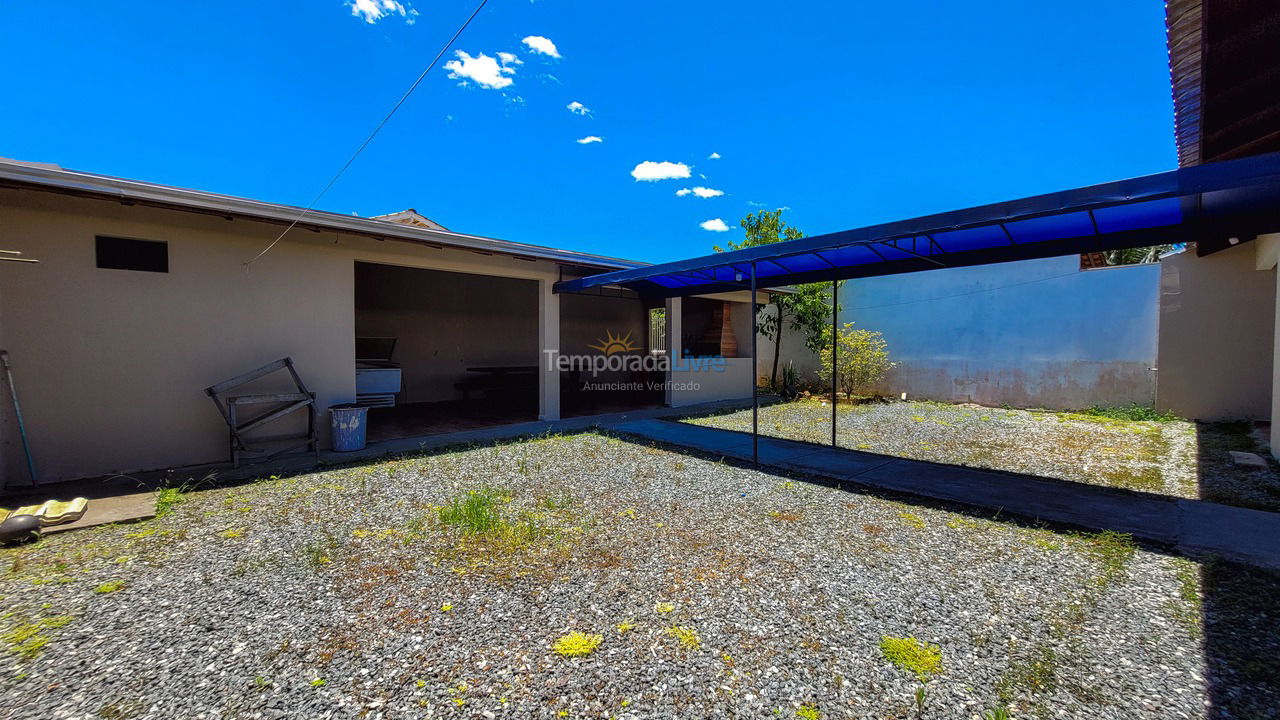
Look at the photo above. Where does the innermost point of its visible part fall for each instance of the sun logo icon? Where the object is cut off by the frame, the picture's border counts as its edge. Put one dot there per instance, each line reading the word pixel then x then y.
pixel 612 344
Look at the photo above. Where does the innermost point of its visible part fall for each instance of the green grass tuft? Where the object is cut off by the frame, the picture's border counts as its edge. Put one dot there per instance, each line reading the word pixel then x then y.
pixel 922 658
pixel 28 639
pixel 808 712
pixel 1131 413
pixel 166 499
pixel 1113 551
pixel 577 644
pixel 474 512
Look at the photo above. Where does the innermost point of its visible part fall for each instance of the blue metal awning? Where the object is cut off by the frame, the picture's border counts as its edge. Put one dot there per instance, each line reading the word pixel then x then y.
pixel 1236 198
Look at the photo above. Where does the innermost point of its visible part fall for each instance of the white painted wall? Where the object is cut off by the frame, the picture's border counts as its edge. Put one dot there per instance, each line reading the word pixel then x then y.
pixel 1217 317
pixel 1036 333
pixel 732 382
pixel 111 364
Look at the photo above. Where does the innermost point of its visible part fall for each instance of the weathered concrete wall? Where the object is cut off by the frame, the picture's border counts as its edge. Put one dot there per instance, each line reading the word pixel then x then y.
pixel 1038 333
pixel 1217 317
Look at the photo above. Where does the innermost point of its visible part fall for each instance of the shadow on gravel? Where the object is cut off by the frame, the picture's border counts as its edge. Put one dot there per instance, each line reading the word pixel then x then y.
pixel 1222 481
pixel 1239 605
pixel 1241 620
pixel 1234 609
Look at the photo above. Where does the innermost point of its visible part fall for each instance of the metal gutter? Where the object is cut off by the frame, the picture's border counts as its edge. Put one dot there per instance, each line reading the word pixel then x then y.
pixel 34 176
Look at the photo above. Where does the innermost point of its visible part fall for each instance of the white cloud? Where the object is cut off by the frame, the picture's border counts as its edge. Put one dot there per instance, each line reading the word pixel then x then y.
pixel 590 139
pixel 541 45
pixel 702 192
pixel 509 59
pixel 481 69
pixel 651 171
pixel 371 11
pixel 714 225
pixel 577 108
pixel 713 156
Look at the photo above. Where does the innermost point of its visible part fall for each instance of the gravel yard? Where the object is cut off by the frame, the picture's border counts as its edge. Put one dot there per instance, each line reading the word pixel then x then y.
pixel 1177 457
pixel 451 585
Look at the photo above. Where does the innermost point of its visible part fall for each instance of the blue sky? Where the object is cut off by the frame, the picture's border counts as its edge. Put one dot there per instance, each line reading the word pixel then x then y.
pixel 847 113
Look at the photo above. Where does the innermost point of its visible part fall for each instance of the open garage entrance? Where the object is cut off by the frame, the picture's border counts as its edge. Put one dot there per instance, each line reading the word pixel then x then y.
pixel 442 351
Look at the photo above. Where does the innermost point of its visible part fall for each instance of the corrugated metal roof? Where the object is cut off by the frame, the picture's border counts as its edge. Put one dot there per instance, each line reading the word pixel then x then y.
pixel 51 178
pixel 1184 25
pixel 1231 199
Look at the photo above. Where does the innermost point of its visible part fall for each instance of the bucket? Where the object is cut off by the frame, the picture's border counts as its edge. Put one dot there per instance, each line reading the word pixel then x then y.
pixel 347 425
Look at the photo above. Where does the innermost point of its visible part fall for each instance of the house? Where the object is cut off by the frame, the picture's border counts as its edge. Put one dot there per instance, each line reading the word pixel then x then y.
pixel 1218 314
pixel 144 295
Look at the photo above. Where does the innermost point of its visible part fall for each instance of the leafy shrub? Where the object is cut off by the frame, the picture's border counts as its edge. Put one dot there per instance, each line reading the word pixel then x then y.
pixel 863 359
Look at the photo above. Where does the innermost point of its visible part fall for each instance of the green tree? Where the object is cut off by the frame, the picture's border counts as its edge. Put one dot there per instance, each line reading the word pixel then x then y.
pixel 1134 256
pixel 804 308
pixel 863 360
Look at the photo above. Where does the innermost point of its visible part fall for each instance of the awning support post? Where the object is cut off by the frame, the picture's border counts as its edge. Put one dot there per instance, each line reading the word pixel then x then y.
pixel 835 347
pixel 755 397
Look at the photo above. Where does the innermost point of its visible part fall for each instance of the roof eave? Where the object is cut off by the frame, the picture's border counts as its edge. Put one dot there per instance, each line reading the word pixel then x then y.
pixel 1184 23
pixel 71 182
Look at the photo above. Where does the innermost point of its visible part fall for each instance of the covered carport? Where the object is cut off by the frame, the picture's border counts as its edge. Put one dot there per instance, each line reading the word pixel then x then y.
pixel 1229 202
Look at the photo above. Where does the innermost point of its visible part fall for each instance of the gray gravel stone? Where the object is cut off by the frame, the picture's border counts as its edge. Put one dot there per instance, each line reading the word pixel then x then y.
pixel 339 594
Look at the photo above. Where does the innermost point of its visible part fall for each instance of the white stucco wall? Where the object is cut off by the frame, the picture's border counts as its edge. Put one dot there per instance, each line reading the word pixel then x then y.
pixel 1036 333
pixel 732 381
pixel 1217 317
pixel 111 364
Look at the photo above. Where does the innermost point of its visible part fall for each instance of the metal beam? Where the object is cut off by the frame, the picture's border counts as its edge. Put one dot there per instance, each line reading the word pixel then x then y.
pixel 835 346
pixel 755 394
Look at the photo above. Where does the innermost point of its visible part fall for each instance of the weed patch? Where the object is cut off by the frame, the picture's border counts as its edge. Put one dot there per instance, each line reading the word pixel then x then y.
pixel 577 644
pixel 474 512
pixel 1034 675
pixel 686 636
pixel 28 639
pixel 912 520
pixel 921 658
pixel 1112 551
pixel 1130 413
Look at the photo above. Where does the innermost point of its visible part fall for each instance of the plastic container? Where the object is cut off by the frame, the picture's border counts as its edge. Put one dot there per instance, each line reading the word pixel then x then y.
pixel 347 426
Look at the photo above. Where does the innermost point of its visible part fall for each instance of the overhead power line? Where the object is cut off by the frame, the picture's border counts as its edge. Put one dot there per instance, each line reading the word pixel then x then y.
pixel 372 135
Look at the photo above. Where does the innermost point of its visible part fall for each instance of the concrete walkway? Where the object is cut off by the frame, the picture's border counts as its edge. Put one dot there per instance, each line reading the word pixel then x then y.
pixel 116 486
pixel 1192 526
